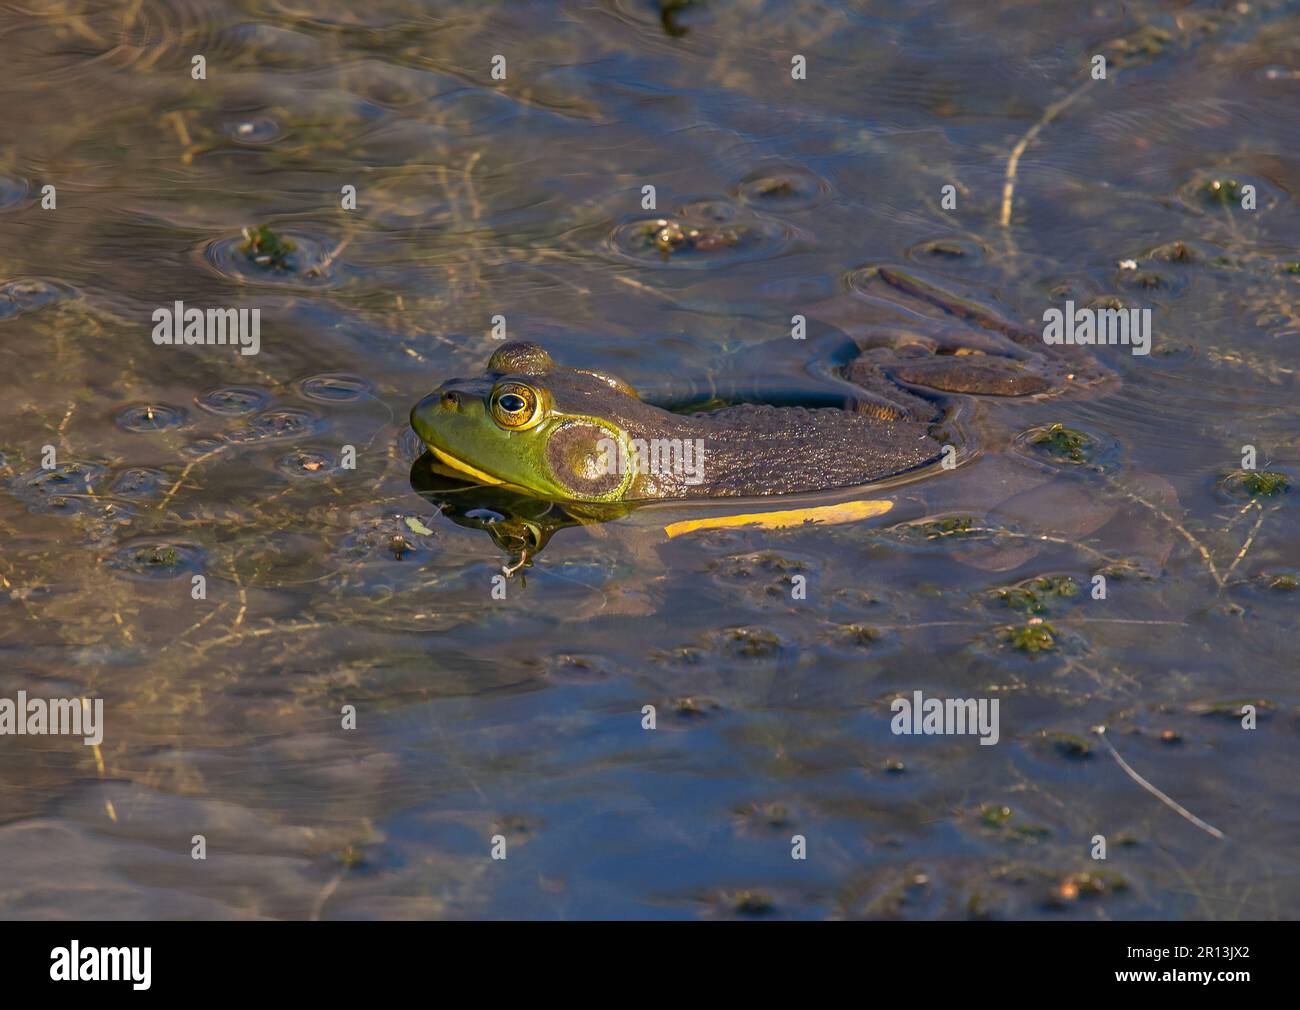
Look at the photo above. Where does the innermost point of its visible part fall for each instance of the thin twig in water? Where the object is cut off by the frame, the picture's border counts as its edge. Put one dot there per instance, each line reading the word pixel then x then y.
pixel 1013 162
pixel 171 492
pixel 1246 546
pixel 1172 804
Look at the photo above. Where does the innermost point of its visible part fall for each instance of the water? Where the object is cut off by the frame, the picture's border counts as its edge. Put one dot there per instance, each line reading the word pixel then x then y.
pixel 329 587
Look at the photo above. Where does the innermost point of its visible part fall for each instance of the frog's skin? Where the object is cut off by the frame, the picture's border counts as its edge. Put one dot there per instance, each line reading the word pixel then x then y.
pixel 885 385
pixel 560 444
pixel 986 354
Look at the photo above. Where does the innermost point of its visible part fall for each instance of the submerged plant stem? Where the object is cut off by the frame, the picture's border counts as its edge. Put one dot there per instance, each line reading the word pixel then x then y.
pixel 1178 808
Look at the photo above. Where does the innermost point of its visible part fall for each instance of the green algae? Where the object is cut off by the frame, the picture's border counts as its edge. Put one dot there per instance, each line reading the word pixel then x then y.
pixel 267 249
pixel 1064 442
pixel 1033 637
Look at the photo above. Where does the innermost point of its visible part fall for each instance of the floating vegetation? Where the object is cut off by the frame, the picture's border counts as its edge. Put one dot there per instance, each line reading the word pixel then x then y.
pixel 1086 884
pixel 750 903
pixel 753 643
pixel 1125 569
pixel 783 190
pixel 999 818
pixel 1033 637
pixel 386 539
pixel 234 401
pixel 267 249
pixel 704 235
pixel 64 489
pixel 306 463
pixel 1033 595
pixel 1214 192
pixel 1063 442
pixel 1176 252
pixel 1224 191
pixel 149 417
pixel 933 529
pixel 1230 710
pixel 1280 582
pixel 694 707
pixel 861 634
pixel 1144 43
pixel 255 130
pixel 138 482
pixel 264 256
pixel 335 387
pixel 1255 483
pixel 157 559
pixel 746 566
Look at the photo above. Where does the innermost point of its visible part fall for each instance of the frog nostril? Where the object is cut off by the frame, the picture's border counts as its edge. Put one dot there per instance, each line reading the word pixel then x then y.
pixel 451 400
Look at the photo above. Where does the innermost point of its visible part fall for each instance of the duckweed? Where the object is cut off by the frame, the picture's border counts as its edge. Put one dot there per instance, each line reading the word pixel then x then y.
pixel 1034 637
pixel 1067 442
pixel 267 249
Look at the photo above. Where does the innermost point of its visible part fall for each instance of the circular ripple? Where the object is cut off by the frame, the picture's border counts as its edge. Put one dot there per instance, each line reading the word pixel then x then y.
pixel 1210 190
pixel 387 539
pixel 62 489
pixel 253 130
pixel 1244 485
pixel 150 417
pixel 157 559
pixel 202 446
pixel 310 263
pixel 234 401
pixel 17 297
pixel 783 189
pixel 1068 446
pixel 138 482
pixel 335 387
pixel 12 191
pixel 306 463
pixel 706 234
pixel 280 423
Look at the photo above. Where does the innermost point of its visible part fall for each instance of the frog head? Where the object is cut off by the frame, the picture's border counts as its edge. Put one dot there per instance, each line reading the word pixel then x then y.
pixel 558 433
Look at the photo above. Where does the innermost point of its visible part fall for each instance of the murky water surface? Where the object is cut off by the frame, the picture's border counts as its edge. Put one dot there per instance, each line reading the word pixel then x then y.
pixel 128 468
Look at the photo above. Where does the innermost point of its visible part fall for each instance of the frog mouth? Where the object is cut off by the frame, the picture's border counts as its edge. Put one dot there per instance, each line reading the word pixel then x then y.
pixel 461 466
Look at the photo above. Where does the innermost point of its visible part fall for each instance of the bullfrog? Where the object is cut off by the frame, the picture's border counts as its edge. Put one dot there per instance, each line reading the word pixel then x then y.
pixel 573 434
pixel 876 409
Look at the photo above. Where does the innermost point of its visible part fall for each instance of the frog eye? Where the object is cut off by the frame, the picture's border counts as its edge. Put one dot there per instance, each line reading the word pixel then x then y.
pixel 516 406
